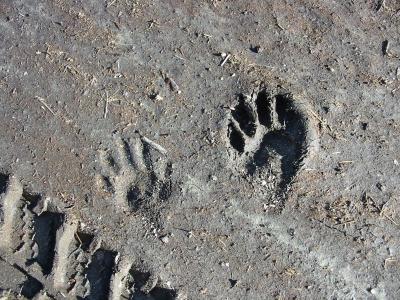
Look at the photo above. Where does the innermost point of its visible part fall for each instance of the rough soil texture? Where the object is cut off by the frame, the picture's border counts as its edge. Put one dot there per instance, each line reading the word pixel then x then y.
pixel 199 149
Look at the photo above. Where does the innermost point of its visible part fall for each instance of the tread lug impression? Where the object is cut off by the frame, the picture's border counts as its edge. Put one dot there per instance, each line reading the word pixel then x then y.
pixel 48 256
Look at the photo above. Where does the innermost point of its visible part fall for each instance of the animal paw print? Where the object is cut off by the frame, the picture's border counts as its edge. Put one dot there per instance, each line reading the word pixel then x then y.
pixel 271 136
pixel 136 173
pixel 47 255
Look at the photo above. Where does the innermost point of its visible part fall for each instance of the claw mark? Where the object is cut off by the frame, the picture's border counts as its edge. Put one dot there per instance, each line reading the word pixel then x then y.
pixel 271 134
pixel 135 174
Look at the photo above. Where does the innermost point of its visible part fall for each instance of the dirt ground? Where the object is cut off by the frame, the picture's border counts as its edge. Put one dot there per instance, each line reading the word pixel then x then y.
pixel 164 149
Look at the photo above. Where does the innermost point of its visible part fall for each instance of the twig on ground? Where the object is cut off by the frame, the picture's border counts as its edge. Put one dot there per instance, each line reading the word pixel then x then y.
pixel 323 122
pixel 225 60
pixel 156 146
pixel 41 100
pixel 106 106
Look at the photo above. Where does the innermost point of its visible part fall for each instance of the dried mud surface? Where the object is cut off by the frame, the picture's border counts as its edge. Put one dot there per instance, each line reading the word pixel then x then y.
pixel 199 149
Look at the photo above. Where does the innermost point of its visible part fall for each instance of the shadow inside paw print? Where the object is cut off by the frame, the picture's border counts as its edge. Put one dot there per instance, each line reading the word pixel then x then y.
pixel 270 133
pixel 136 172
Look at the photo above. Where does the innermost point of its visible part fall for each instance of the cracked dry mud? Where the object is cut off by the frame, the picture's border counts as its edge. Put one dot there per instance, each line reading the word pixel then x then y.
pixel 199 149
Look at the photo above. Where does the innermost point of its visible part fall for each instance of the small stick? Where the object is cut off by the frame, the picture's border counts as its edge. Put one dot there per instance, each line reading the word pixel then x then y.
pixel 324 123
pixel 41 100
pixel 225 60
pixel 79 239
pixel 316 116
pixel 345 222
pixel 390 219
pixel 154 145
pixel 106 106
pixel 110 3
pixel 277 23
pixel 181 58
pixel 224 245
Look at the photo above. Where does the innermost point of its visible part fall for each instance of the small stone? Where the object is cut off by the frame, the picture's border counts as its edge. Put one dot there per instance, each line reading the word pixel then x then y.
pixel 381 187
pixel 257 49
pixel 329 68
pixel 165 239
pixel 233 282
pixel 224 264
pixel 364 125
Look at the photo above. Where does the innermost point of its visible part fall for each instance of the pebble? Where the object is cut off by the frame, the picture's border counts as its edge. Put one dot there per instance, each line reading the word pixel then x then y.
pixel 165 239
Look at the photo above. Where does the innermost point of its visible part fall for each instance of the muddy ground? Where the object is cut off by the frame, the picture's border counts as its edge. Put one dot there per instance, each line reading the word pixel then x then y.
pixel 200 149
